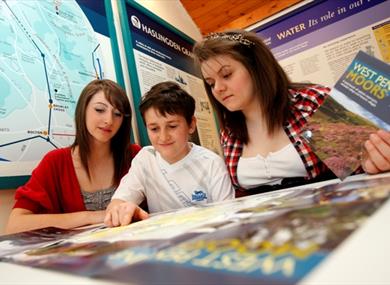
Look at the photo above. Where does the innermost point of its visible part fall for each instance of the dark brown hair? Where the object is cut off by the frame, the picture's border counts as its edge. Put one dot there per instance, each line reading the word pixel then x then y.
pixel 269 79
pixel 120 143
pixel 168 98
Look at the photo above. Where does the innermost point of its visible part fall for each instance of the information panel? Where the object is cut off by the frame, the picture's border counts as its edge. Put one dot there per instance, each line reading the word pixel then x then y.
pixel 158 52
pixel 318 41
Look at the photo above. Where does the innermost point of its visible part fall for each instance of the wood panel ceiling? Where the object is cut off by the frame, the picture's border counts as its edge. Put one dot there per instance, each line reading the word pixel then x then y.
pixel 219 15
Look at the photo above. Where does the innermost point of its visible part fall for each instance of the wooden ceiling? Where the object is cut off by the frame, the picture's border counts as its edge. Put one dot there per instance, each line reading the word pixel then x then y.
pixel 219 15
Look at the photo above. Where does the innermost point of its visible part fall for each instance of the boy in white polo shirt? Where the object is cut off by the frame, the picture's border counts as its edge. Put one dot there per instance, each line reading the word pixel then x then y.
pixel 171 173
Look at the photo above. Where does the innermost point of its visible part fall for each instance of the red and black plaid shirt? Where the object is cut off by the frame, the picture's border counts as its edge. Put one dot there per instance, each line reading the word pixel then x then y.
pixel 305 102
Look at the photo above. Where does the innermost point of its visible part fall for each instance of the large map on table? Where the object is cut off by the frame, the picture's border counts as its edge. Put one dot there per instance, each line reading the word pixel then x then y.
pixel 48 52
pixel 276 238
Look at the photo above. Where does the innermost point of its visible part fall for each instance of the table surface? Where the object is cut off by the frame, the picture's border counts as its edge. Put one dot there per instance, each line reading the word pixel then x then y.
pixel 361 259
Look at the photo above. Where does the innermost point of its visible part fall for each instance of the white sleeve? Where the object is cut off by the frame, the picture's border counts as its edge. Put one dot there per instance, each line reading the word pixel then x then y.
pixel 131 188
pixel 220 183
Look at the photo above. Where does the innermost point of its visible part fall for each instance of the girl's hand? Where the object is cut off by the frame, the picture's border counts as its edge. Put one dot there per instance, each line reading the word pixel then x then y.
pixel 378 153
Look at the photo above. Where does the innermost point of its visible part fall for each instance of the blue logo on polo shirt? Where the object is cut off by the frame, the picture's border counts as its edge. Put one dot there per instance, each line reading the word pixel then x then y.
pixel 199 196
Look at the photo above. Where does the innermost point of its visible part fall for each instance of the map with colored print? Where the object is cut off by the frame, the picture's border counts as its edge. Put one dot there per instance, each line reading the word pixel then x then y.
pixel 48 53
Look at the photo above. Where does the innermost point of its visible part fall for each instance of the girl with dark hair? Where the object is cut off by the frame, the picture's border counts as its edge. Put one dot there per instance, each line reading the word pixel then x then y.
pixel 262 115
pixel 72 186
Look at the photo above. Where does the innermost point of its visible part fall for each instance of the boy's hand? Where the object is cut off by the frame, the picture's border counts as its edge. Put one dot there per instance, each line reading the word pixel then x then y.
pixel 378 153
pixel 121 213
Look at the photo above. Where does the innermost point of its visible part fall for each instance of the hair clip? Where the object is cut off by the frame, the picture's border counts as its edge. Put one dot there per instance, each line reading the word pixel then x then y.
pixel 231 37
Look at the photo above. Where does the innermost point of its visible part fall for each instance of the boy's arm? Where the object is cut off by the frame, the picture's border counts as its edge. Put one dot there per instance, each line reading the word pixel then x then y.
pixel 122 213
pixel 221 185
pixel 123 208
pixel 131 188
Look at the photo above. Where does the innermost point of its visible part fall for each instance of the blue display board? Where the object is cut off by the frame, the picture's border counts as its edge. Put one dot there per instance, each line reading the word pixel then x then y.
pixel 313 17
pixel 317 41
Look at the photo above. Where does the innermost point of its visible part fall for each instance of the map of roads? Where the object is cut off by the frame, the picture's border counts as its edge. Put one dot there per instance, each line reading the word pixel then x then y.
pixel 48 53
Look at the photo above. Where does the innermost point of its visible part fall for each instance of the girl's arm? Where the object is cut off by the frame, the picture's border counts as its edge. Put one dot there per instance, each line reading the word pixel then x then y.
pixel 24 220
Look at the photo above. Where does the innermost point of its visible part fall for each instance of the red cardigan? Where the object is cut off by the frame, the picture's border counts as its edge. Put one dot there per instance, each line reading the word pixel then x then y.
pixel 53 187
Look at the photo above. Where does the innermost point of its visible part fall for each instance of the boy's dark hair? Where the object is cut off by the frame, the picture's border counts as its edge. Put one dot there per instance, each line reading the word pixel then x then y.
pixel 168 98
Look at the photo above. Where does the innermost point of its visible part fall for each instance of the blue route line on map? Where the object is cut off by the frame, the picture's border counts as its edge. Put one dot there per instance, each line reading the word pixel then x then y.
pixel 47 83
pixel 50 99
pixel 100 68
pixel 31 138
pixel 98 74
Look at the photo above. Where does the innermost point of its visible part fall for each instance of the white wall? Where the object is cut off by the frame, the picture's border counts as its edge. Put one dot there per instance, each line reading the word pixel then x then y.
pixel 175 14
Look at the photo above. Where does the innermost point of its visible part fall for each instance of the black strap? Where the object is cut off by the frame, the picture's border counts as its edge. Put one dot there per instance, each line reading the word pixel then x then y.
pixel 286 183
